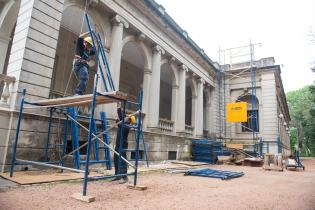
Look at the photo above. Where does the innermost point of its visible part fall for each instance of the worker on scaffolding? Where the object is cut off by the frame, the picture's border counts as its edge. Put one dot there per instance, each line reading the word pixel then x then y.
pixel 84 52
pixel 121 165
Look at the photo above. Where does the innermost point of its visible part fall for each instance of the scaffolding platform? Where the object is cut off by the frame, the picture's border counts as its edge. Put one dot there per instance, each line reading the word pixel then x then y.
pixel 101 98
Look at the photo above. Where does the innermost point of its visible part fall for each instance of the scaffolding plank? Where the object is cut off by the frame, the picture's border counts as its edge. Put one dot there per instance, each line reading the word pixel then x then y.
pixel 104 98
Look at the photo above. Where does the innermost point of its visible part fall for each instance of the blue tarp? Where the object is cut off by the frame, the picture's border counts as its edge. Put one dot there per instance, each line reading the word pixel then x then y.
pixel 207 172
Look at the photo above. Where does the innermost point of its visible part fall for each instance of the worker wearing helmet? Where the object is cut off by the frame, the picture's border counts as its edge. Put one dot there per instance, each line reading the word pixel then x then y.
pixel 121 165
pixel 84 51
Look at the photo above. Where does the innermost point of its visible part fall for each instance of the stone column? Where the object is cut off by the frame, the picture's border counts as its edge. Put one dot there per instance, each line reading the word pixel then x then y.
pixel 115 60
pixel 199 108
pixel 207 108
pixel 116 47
pixel 4 43
pixel 146 94
pixel 33 50
pixel 154 102
pixel 181 100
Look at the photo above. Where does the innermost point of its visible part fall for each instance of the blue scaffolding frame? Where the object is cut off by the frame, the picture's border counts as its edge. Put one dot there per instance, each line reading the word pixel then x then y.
pixel 110 96
pixel 91 134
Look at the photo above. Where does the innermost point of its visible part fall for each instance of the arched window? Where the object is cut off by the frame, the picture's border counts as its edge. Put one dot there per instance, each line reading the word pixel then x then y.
pixel 252 123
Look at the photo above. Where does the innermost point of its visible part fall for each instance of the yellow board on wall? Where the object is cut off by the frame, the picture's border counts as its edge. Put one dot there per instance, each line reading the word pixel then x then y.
pixel 236 112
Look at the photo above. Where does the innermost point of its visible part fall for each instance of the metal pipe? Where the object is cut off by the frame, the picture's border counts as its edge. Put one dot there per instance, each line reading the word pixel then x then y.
pixel 90 137
pixel 109 76
pixel 138 139
pixel 49 165
pixel 96 54
pixel 17 131
pixel 122 134
pixel 48 134
pixel 96 137
pixel 111 176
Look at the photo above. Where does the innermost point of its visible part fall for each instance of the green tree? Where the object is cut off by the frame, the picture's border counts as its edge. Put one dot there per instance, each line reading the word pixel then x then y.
pixel 302 110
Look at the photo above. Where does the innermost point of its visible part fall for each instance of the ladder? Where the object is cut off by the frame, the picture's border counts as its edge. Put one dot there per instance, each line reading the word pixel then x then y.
pixel 97 148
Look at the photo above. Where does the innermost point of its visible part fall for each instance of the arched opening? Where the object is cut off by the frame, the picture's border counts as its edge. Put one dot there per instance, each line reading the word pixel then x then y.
pixel 166 97
pixel 64 80
pixel 205 115
pixel 190 106
pixel 252 123
pixel 8 18
pixel 131 71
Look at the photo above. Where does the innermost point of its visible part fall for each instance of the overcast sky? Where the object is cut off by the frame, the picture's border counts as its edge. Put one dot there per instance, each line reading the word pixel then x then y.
pixel 283 27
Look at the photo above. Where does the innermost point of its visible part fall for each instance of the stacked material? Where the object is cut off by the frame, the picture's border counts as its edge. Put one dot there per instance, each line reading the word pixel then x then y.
pixel 207 172
pixel 207 150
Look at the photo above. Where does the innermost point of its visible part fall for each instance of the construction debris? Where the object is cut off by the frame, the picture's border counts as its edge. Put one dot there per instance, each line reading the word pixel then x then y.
pixel 273 162
pixel 253 161
pixel 207 172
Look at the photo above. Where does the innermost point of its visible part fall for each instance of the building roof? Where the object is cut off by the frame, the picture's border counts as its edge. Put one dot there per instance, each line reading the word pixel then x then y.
pixel 160 11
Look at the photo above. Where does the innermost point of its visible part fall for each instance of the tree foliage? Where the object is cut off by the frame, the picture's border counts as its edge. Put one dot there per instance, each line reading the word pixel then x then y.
pixel 302 110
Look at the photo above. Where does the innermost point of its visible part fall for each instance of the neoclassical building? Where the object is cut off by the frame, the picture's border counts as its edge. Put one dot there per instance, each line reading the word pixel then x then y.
pixel 147 50
pixel 271 114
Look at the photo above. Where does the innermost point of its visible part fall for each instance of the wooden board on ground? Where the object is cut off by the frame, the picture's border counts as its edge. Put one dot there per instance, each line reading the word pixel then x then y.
pixel 86 198
pixel 235 146
pixel 190 163
pixel 254 162
pixel 137 187
pixel 35 177
pixel 105 98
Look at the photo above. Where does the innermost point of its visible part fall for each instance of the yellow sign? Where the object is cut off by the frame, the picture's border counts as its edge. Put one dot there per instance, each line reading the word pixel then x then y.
pixel 236 112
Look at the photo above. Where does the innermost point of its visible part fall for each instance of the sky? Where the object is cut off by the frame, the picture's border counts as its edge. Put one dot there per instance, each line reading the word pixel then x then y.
pixel 283 27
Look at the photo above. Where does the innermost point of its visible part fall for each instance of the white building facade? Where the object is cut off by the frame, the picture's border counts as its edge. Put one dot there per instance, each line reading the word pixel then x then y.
pixel 146 50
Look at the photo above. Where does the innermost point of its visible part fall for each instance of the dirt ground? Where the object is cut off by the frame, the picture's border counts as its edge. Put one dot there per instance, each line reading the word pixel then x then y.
pixel 258 189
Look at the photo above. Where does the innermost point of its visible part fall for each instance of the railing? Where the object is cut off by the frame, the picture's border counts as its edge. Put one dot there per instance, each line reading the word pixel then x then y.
pixel 189 129
pixel 7 83
pixel 166 125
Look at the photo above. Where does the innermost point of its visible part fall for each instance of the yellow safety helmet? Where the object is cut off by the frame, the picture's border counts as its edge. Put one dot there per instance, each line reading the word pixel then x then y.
pixel 88 39
pixel 132 119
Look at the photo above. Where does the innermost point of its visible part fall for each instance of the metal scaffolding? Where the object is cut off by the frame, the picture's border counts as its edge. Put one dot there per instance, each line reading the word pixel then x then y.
pixel 233 57
pixel 67 107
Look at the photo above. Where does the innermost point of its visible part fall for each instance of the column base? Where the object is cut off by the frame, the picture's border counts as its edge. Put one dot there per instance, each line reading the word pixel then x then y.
pixel 181 133
pixel 154 129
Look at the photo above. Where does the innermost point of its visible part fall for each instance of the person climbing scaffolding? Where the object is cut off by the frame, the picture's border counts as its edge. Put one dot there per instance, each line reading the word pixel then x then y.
pixel 84 52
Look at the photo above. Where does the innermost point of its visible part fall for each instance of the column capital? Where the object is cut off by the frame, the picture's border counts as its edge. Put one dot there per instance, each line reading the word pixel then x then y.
pixel 118 20
pixel 141 37
pixel 182 67
pixel 147 71
pixel 158 49
pixel 175 86
pixel 201 81
pixel 94 3
pixel 172 60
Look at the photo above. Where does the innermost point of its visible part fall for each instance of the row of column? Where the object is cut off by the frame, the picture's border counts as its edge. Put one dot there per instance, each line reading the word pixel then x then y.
pixel 151 85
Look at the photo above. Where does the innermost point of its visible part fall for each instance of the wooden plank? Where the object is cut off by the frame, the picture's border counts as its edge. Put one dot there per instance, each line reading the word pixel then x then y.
pixel 235 146
pixel 35 177
pixel 107 97
pixel 190 163
pixel 137 187
pixel 86 198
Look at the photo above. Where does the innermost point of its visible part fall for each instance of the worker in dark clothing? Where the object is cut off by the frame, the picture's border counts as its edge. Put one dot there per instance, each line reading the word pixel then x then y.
pixel 84 51
pixel 121 166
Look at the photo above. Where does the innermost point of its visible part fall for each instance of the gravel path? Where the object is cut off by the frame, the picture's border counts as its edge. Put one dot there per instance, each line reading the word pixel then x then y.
pixel 258 189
